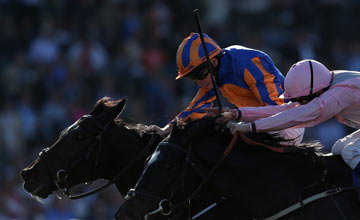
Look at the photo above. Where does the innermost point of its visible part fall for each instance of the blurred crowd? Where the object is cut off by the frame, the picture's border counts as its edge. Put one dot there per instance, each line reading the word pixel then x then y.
pixel 58 57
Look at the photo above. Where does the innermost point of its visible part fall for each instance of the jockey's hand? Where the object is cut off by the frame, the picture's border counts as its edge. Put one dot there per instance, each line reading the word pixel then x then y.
pixel 238 127
pixel 226 113
pixel 160 131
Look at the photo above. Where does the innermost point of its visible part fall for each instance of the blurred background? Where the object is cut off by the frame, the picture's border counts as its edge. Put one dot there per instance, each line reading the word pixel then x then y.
pixel 58 57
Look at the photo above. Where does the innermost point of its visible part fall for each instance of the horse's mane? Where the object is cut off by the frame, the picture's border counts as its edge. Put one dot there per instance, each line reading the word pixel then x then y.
pixel 274 140
pixel 208 127
pixel 135 128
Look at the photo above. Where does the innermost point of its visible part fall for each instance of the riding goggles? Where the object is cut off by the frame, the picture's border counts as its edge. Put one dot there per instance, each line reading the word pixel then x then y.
pixel 199 73
pixel 304 99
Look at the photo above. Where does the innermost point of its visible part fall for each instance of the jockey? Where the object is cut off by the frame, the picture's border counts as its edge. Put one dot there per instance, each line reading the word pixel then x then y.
pixel 320 94
pixel 244 76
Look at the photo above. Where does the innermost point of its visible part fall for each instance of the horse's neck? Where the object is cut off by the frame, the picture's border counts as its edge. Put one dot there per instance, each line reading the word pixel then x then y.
pixel 122 147
pixel 271 181
pixel 339 173
pixel 251 169
pixel 299 176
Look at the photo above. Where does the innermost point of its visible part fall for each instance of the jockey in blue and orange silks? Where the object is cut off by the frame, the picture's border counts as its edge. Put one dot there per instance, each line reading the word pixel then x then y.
pixel 245 77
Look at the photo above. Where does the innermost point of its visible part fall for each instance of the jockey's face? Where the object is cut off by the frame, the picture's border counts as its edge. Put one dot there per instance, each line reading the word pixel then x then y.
pixel 205 82
pixel 199 73
pixel 303 100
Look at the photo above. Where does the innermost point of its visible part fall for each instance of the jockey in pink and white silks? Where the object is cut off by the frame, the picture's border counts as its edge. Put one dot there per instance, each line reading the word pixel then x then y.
pixel 317 95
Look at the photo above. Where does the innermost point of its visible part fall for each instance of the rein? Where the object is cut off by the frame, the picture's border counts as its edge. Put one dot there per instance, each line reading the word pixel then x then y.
pixel 308 200
pixel 62 176
pixel 219 162
pixel 187 201
pixel 119 175
pixel 255 143
pixel 165 207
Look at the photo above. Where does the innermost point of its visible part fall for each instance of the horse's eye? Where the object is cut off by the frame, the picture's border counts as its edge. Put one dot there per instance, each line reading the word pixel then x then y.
pixel 167 165
pixel 80 137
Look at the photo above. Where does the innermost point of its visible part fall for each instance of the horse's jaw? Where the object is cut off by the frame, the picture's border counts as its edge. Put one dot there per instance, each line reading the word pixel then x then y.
pixel 39 191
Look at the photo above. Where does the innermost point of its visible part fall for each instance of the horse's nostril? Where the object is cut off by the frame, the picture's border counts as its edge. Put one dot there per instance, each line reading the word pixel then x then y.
pixel 29 174
pixel 23 174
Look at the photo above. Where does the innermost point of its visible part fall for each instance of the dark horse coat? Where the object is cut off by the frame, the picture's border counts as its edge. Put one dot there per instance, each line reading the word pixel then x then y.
pixel 99 147
pixel 260 182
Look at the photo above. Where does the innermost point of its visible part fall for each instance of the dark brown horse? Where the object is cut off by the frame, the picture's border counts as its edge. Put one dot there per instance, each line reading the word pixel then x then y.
pixel 298 184
pixel 94 147
pixel 99 147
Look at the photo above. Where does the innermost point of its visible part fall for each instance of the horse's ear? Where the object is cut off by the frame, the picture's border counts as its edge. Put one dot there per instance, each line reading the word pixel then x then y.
pixel 121 103
pixel 110 109
pixel 104 103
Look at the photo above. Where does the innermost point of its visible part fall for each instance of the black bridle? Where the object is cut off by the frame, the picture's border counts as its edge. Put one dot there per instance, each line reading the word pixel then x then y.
pixel 166 207
pixel 61 178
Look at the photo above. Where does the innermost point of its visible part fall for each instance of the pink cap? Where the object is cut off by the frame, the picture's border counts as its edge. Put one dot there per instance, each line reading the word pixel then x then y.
pixel 298 79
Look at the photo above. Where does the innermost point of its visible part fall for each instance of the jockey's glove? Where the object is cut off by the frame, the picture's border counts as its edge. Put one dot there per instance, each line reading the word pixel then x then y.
pixel 163 132
pixel 226 113
pixel 241 127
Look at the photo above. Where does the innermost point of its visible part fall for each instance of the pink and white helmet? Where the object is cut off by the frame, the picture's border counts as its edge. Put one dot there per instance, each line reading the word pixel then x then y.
pixel 305 78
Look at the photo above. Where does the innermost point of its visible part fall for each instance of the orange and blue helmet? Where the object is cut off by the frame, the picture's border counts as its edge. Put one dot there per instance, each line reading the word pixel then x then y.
pixel 190 53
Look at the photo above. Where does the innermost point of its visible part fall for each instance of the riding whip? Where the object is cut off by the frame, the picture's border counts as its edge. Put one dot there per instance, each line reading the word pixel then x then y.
pixel 196 14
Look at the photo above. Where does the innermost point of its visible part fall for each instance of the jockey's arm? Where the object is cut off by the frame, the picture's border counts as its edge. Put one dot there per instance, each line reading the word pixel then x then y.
pixel 164 131
pixel 203 98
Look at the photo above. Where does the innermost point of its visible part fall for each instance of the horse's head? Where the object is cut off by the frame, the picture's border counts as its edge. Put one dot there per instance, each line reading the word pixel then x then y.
pixel 58 166
pixel 159 174
pixel 154 193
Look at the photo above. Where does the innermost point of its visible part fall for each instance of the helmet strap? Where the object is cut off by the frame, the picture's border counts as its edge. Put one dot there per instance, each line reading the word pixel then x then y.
pixel 216 69
pixel 332 79
pixel 312 78
pixel 317 94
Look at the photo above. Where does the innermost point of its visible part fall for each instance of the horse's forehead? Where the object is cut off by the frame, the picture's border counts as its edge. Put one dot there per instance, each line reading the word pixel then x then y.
pixel 71 127
pixel 32 164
